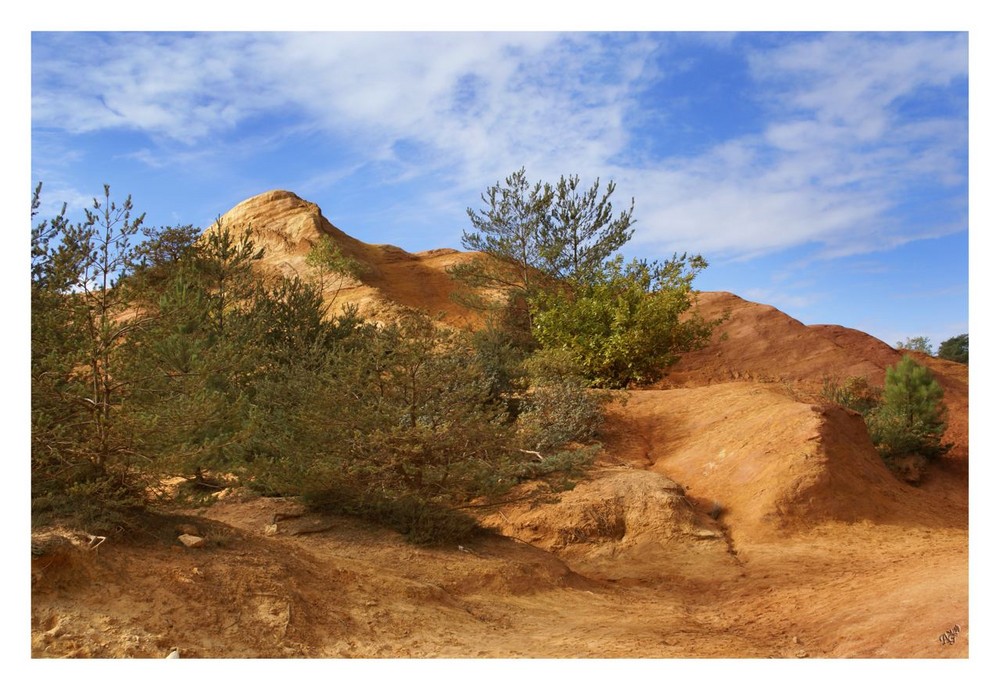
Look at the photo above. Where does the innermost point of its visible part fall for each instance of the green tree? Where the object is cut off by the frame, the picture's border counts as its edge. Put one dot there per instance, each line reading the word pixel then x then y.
pixel 160 255
pixel 917 344
pixel 82 320
pixel 227 260
pixel 186 411
pixel 912 417
pixel 509 229
pixel 549 251
pixel 582 232
pixel 955 349
pixel 403 430
pixel 507 233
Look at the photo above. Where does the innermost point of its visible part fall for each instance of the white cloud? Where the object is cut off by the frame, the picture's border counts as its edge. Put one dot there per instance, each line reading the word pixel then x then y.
pixel 833 164
pixel 829 166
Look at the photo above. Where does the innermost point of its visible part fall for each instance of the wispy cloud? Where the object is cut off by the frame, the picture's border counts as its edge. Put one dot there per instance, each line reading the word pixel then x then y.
pixel 838 156
pixel 842 145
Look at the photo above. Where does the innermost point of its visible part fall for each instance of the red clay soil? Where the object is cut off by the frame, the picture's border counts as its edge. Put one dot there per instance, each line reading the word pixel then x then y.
pixel 732 514
pixel 288 227
pixel 759 343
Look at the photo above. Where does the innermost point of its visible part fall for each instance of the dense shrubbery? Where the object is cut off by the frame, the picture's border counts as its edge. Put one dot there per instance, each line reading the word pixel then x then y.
pixel 917 344
pixel 854 394
pixel 912 416
pixel 159 353
pixel 551 258
pixel 625 325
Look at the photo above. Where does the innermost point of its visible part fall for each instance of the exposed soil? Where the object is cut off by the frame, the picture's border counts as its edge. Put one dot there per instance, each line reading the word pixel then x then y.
pixel 815 549
pixel 732 514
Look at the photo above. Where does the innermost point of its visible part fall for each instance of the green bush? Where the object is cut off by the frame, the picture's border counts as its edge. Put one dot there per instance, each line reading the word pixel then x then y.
pixel 896 436
pixel 561 412
pixel 181 360
pixel 906 420
pixel 917 344
pixel 912 416
pixel 626 325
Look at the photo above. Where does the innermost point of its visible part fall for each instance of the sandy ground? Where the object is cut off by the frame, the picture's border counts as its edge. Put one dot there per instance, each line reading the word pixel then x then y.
pixel 652 576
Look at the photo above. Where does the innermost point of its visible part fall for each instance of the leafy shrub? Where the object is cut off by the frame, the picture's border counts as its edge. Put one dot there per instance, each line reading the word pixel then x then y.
pixel 626 325
pixel 561 412
pixel 854 394
pixel 895 436
pixel 558 407
pixel 98 503
pixel 917 344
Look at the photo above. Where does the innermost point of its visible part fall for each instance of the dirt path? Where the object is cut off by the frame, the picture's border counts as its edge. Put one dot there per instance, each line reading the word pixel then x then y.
pixel 841 591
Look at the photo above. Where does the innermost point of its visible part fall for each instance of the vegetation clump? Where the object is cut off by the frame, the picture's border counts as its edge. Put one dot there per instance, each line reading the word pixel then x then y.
pixel 955 349
pixel 551 261
pixel 906 419
pixel 161 353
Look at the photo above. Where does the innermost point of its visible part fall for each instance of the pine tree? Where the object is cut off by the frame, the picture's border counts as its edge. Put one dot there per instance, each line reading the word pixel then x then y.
pixel 955 349
pixel 583 233
pixel 911 391
pixel 82 320
pixel 912 417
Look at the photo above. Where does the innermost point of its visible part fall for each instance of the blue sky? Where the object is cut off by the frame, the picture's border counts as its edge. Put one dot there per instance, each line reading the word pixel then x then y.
pixel 823 173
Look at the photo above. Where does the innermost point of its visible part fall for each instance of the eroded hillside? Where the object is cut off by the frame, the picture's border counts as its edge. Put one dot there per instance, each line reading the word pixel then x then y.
pixel 288 227
pixel 732 513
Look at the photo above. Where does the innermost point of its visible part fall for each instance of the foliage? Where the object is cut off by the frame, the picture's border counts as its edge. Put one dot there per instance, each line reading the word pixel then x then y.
pixel 560 412
pixel 912 416
pixel 854 394
pixel 501 358
pixel 159 256
pixel 626 326
pixel 162 353
pixel 226 265
pixel 550 253
pixel 509 229
pixel 917 344
pixel 328 263
pixel 535 236
pixel 415 435
pixel 582 232
pixel 431 424
pixel 955 349
pixel 83 448
pixel 906 421
pixel 558 408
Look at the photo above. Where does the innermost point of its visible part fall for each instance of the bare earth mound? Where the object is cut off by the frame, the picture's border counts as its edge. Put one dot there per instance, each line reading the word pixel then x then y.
pixel 771 463
pixel 289 227
pixel 759 343
pixel 630 524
